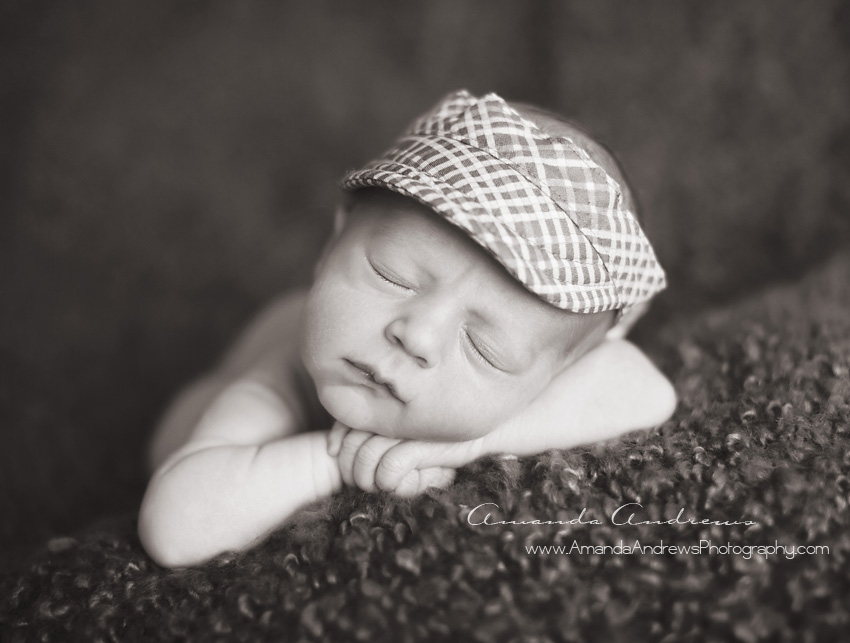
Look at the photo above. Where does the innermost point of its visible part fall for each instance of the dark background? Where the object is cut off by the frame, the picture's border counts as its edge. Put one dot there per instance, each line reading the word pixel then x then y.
pixel 165 169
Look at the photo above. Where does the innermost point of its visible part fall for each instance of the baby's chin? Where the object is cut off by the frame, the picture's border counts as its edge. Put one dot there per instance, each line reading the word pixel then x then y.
pixel 357 409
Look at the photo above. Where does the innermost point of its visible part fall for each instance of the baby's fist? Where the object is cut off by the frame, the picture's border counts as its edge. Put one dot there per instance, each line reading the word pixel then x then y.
pixel 416 481
pixel 411 466
pixel 370 461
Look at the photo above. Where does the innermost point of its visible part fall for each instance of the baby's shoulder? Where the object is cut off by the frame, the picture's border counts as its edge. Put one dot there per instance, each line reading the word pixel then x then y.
pixel 280 320
pixel 272 335
pixel 284 312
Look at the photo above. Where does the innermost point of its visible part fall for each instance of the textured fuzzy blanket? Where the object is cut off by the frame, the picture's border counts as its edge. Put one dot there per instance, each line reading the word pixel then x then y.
pixel 761 441
pixel 167 168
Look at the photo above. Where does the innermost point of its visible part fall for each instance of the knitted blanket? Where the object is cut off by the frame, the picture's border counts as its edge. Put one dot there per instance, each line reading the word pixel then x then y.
pixel 745 492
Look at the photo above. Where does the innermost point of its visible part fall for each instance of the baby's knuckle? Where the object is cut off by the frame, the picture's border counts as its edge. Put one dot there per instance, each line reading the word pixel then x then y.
pixel 347 453
pixel 410 485
pixel 350 444
pixel 392 464
pixel 368 454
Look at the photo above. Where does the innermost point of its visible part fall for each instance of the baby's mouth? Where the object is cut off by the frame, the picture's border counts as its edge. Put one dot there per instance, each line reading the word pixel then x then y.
pixel 369 374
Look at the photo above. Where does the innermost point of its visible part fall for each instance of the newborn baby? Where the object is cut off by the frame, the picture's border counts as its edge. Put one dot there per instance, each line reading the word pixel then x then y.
pixel 472 300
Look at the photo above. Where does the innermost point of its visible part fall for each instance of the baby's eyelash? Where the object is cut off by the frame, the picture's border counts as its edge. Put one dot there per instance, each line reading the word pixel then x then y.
pixel 478 354
pixel 383 277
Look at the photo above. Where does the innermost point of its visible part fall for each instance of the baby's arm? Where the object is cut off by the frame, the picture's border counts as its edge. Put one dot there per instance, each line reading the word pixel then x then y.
pixel 612 390
pixel 234 481
pixel 239 468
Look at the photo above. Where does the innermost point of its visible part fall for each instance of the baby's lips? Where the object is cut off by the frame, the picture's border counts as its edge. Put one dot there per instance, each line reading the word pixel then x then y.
pixel 375 376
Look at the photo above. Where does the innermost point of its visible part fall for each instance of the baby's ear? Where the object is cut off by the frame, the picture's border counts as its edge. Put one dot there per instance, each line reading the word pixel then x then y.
pixel 628 319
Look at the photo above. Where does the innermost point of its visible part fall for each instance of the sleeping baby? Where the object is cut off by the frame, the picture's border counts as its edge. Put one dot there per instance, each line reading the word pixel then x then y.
pixel 473 300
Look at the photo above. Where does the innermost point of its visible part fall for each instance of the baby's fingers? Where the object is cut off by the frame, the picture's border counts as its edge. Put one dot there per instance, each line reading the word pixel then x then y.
pixel 395 465
pixel 335 438
pixel 412 454
pixel 418 480
pixel 348 453
pixel 369 455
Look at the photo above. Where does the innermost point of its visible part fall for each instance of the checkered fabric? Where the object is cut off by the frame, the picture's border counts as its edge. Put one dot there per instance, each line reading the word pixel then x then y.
pixel 547 212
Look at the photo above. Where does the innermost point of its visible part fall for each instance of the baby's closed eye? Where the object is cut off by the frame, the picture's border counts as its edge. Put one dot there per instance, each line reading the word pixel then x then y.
pixel 482 352
pixel 390 278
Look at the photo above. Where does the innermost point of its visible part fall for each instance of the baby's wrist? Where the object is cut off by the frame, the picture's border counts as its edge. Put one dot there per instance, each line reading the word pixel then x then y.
pixel 489 443
pixel 478 447
pixel 501 440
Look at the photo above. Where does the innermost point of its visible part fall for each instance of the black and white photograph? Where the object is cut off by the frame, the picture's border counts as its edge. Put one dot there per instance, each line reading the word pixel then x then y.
pixel 473 320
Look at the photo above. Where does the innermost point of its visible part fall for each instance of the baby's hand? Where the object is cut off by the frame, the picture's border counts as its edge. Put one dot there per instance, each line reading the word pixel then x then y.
pixel 407 467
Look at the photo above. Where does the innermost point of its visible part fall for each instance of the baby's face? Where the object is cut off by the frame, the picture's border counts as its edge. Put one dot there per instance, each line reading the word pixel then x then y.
pixel 413 331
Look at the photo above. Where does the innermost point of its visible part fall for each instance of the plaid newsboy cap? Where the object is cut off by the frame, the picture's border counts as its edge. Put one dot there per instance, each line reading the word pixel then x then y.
pixel 539 204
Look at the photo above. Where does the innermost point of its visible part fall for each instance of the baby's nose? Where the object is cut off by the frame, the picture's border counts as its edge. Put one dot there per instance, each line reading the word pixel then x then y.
pixel 422 333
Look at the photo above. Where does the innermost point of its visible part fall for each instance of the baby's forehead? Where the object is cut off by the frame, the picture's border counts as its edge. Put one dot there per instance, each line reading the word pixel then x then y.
pixel 395 220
